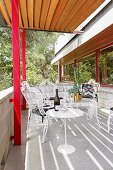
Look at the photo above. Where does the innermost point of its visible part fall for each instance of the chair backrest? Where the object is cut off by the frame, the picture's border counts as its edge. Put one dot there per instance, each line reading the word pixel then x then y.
pixel 32 95
pixel 24 84
pixel 88 91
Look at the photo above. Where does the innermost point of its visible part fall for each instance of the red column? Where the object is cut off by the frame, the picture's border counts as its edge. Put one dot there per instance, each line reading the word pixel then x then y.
pixel 97 65
pixel 16 71
pixel 23 63
pixel 75 63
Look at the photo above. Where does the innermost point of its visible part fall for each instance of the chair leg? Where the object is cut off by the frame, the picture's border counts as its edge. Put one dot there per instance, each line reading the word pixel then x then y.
pixel 98 121
pixel 29 117
pixel 62 123
pixel 45 131
pixel 108 122
pixel 108 127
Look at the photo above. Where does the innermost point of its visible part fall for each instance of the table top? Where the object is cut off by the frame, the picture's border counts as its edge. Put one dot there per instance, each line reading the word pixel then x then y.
pixel 69 113
pixel 87 103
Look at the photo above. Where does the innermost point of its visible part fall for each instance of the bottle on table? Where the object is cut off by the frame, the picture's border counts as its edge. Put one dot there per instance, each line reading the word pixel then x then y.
pixel 56 101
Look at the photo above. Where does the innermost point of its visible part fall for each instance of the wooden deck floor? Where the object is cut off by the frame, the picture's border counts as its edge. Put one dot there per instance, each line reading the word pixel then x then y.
pixel 93 147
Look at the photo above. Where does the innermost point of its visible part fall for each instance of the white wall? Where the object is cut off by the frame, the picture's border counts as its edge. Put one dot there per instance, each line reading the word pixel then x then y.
pixel 62 41
pixel 105 97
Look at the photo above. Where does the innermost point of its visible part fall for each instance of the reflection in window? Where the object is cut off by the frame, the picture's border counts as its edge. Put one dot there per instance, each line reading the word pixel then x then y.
pixel 87 69
pixel 106 66
pixel 69 72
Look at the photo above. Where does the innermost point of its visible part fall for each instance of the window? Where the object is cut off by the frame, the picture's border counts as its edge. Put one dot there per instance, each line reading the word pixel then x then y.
pixel 69 72
pixel 106 66
pixel 87 68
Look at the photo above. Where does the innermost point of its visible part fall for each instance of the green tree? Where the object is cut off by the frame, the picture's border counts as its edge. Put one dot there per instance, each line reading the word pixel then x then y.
pixel 40 51
pixel 5 58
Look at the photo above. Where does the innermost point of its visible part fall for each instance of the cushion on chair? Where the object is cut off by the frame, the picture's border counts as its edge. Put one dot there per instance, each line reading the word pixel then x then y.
pixel 88 91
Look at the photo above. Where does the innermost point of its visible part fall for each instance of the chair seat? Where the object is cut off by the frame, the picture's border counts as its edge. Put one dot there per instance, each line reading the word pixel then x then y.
pixel 48 107
pixel 105 111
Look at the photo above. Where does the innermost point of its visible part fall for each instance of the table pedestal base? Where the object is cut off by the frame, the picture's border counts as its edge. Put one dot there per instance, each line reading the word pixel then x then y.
pixel 66 149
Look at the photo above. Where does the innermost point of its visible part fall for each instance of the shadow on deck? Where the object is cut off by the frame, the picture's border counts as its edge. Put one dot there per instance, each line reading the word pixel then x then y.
pixel 93 147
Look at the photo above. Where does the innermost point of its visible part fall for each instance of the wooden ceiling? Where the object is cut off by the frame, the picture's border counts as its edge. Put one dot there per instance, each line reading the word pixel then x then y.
pixel 50 15
pixel 95 43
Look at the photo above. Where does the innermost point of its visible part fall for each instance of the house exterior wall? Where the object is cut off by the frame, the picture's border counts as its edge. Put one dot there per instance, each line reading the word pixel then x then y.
pixel 105 99
pixel 67 43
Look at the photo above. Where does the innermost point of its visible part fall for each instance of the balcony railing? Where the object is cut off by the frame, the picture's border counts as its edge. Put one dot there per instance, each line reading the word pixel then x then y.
pixel 6 123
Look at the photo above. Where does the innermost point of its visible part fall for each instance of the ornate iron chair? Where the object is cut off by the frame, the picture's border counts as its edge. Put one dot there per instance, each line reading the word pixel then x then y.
pixel 34 100
pixel 89 100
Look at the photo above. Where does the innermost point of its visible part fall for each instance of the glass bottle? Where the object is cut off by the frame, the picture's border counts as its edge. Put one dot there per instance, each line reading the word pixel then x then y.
pixel 56 101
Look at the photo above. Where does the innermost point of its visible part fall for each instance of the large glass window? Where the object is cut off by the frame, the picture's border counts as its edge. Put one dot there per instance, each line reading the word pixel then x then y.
pixel 84 70
pixel 87 69
pixel 69 72
pixel 106 66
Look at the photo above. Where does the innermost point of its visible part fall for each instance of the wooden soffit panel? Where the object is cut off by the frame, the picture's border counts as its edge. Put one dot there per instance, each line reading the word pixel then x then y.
pixel 50 15
pixel 97 42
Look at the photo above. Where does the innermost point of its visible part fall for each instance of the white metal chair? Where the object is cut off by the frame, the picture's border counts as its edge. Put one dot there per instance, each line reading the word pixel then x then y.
pixel 107 109
pixel 34 99
pixel 93 110
pixel 90 102
pixel 110 115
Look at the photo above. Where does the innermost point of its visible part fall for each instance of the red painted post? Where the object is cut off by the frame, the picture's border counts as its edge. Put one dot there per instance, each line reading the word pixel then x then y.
pixel 75 63
pixel 97 65
pixel 24 63
pixel 16 71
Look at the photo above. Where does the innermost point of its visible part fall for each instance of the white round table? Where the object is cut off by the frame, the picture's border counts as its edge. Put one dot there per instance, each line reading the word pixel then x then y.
pixel 69 113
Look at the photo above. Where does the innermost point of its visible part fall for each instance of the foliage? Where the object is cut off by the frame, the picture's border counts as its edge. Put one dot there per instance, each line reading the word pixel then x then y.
pixel 106 62
pixel 75 89
pixel 69 72
pixel 53 73
pixel 87 70
pixel 5 58
pixel 83 72
pixel 40 50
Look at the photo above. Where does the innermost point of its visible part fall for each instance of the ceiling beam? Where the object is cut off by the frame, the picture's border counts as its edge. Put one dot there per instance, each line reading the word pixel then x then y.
pixel 44 12
pixel 87 13
pixel 65 13
pixel 37 11
pixel 4 13
pixel 73 12
pixel 58 12
pixel 81 11
pixel 30 8
pixel 9 11
pixel 51 12
pixel 20 20
pixel 23 11
pixel 8 7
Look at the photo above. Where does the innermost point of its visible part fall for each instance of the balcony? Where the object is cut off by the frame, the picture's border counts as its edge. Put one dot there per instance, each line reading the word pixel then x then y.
pixel 93 146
